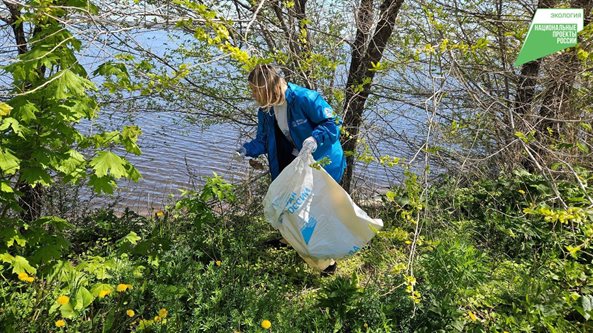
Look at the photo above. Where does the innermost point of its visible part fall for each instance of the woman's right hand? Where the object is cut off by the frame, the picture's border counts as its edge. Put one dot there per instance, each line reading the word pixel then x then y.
pixel 309 146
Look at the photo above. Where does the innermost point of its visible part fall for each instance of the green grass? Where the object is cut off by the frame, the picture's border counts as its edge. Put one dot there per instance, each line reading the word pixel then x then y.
pixel 481 265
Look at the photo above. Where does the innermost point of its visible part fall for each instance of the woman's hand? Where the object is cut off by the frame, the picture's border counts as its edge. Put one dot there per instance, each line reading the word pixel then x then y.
pixel 240 153
pixel 309 146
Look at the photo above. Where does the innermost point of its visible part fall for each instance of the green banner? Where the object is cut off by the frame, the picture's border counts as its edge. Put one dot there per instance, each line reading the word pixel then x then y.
pixel 552 30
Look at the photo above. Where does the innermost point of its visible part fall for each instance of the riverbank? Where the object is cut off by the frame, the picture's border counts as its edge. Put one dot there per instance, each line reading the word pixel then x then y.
pixel 498 255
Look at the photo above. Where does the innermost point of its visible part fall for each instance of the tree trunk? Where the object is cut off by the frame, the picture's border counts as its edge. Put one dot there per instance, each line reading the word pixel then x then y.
pixel 365 52
pixel 30 198
pixel 17 27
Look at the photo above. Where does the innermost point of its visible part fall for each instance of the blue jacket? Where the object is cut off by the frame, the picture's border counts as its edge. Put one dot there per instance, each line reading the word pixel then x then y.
pixel 308 115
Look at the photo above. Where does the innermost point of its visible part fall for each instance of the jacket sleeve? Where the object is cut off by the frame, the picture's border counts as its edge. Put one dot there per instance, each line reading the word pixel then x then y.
pixel 257 146
pixel 326 129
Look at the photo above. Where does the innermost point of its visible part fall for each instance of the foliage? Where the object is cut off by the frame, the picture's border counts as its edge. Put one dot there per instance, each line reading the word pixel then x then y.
pixel 52 93
pixel 41 145
pixel 466 254
pixel 515 258
pixel 495 256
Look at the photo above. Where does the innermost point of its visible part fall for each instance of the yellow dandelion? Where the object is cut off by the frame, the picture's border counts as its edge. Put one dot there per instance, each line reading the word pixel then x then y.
pixel 266 324
pixel 157 319
pixel 218 262
pixel 160 213
pixel 104 293
pixel 23 276
pixel 60 323
pixel 130 313
pixel 472 316
pixel 63 299
pixel 163 313
pixel 29 279
pixel 123 287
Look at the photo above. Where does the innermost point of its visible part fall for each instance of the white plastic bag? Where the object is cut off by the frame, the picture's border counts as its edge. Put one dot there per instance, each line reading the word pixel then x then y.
pixel 315 215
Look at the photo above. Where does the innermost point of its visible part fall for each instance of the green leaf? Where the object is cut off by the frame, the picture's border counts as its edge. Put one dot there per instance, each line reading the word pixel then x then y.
pixel 376 67
pixel 36 175
pixel 582 55
pixel 52 250
pixel 83 107
pixel 71 164
pixel 16 237
pixel 459 324
pixel 4 109
pixel 99 267
pixel 583 147
pixel 133 173
pixel 130 136
pixel 54 221
pixel 556 166
pixel 66 84
pixel 586 306
pixel 67 311
pixel 132 238
pixel 565 145
pixel 587 303
pixel 54 307
pixel 105 139
pixel 480 43
pixel 96 289
pixel 390 195
pixel 131 147
pixel 573 250
pixel 104 184
pixel 83 299
pixel 5 187
pixel 131 132
pixel 7 258
pixel 26 112
pixel 14 124
pixel 67 114
pixel 9 164
pixel 107 162
pixel 115 69
pixel 20 265
pixel 109 319
pixel 521 136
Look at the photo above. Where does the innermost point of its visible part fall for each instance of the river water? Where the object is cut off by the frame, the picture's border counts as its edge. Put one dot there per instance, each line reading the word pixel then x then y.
pixel 177 155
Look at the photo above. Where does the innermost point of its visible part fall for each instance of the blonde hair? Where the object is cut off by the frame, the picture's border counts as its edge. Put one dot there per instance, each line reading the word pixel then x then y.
pixel 267 85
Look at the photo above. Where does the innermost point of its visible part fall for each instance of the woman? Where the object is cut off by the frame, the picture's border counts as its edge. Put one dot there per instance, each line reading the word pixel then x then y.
pixel 293 120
